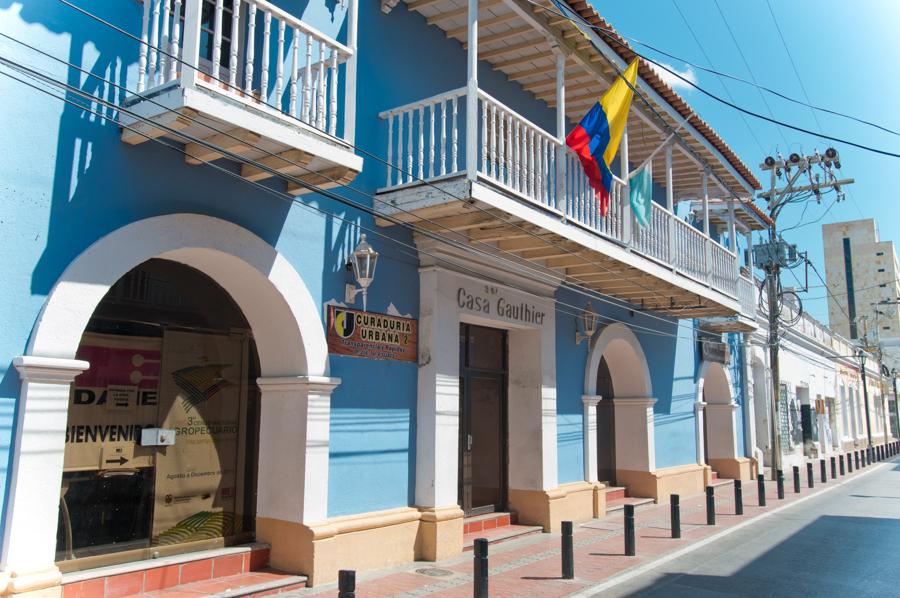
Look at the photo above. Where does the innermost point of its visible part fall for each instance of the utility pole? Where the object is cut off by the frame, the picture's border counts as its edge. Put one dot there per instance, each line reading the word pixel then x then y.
pixel 776 253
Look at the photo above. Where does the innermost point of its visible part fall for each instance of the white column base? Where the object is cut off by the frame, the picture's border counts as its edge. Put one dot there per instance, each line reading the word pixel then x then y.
pixel 589 435
pixel 29 542
pixel 295 415
pixel 635 440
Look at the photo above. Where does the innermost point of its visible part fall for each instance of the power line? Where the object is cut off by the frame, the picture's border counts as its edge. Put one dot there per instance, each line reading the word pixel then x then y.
pixel 715 97
pixel 87 96
pixel 716 72
pixel 510 222
pixel 721 81
pixel 750 71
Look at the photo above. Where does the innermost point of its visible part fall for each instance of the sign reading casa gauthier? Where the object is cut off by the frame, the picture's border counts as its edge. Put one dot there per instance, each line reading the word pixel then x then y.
pixel 373 336
pixel 490 301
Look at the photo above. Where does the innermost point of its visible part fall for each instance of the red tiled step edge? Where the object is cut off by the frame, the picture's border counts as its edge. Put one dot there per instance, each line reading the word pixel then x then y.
pixel 615 493
pixel 486 522
pixel 149 577
pixel 254 583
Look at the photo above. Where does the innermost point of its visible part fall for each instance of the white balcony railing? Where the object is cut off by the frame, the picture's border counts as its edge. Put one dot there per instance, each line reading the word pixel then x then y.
pixel 748 293
pixel 426 141
pixel 249 49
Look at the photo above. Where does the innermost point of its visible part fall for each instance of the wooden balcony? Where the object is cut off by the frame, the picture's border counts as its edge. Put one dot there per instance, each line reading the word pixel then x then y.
pixel 250 82
pixel 513 189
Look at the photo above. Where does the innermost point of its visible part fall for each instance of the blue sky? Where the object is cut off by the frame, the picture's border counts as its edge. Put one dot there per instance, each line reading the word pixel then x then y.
pixel 846 54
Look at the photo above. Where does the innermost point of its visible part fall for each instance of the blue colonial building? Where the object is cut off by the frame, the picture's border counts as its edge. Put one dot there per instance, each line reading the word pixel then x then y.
pixel 200 357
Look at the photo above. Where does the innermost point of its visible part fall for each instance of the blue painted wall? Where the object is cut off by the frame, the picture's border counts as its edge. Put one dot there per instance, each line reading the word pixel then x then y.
pixel 68 180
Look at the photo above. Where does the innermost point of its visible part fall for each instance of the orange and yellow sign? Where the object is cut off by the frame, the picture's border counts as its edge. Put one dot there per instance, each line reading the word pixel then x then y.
pixel 374 336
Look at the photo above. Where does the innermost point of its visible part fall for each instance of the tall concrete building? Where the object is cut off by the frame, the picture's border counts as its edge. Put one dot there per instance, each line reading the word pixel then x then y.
pixel 864 279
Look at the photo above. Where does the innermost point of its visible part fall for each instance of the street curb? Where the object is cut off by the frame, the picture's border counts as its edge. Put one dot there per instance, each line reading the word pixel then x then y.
pixel 641 569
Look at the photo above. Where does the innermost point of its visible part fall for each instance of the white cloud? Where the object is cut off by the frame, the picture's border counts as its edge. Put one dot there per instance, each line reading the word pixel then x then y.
pixel 673 81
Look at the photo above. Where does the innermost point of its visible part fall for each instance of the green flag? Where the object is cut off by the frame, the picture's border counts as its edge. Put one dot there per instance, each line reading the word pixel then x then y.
pixel 641 192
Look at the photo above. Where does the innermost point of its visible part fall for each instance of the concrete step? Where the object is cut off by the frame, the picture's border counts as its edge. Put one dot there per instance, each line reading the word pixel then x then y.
pixel 619 504
pixel 254 583
pixel 615 493
pixel 500 534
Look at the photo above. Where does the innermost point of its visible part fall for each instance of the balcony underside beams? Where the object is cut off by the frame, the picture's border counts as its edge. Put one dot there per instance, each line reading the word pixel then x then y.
pixel 214 125
pixel 529 241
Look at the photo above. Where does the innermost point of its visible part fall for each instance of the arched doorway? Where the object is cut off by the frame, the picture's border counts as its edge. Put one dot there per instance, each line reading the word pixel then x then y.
pixel 162 431
pixel 294 387
pixel 618 407
pixel 718 427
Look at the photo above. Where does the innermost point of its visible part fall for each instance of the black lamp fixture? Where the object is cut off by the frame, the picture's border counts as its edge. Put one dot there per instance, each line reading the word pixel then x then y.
pixel 585 324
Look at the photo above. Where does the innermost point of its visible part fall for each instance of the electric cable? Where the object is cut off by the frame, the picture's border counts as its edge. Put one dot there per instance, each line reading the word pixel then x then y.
pixel 395 167
pixel 323 212
pixel 721 81
pixel 715 97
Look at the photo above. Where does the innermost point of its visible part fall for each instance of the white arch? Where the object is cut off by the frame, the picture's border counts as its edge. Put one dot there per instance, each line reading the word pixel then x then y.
pixel 623 353
pixel 292 484
pixel 278 306
pixel 714 384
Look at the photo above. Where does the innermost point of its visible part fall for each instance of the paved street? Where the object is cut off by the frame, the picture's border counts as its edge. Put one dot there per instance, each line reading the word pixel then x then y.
pixel 839 539
pixel 841 543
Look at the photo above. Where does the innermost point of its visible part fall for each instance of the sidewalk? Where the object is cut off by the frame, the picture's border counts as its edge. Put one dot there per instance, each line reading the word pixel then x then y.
pixel 531 566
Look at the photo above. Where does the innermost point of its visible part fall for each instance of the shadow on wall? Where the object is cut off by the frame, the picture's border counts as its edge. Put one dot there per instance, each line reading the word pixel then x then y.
pixel 797 565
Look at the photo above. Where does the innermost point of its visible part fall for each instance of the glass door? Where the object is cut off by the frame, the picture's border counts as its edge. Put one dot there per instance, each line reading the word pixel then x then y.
pixel 483 422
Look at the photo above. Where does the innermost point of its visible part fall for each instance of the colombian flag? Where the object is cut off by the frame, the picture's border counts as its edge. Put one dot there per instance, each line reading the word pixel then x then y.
pixel 596 138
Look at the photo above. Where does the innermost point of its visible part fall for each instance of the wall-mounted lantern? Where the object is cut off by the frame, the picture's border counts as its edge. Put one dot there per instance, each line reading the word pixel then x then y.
pixel 585 324
pixel 362 262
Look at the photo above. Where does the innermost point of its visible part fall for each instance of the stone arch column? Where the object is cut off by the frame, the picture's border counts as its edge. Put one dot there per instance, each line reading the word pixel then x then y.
pixel 295 385
pixel 633 402
pixel 715 402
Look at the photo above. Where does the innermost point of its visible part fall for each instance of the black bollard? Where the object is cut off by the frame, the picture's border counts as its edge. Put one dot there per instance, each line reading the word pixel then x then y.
pixel 346 583
pixel 675 512
pixel 738 498
pixel 568 551
pixel 841 463
pixel 761 489
pixel 809 475
pixel 629 531
pixel 710 505
pixel 796 480
pixel 822 470
pixel 779 480
pixel 849 463
pixel 833 468
pixel 856 459
pixel 480 583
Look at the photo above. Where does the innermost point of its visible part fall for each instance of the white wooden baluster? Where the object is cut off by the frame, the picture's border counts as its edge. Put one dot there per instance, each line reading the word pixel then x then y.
pixel 443 137
pixel 235 41
pixel 501 157
pixel 320 98
pixel 279 68
pixel 307 83
pixel 409 148
pixel 493 150
pixel 400 157
pixel 517 180
pixel 217 39
pixel 332 111
pixel 455 133
pixel 295 65
pixel 144 49
pixel 154 44
pixel 552 198
pixel 510 153
pixel 542 168
pixel 421 110
pixel 175 44
pixel 431 140
pixel 164 44
pixel 264 68
pixel 390 152
pixel 251 47
pixel 484 135
pixel 532 178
